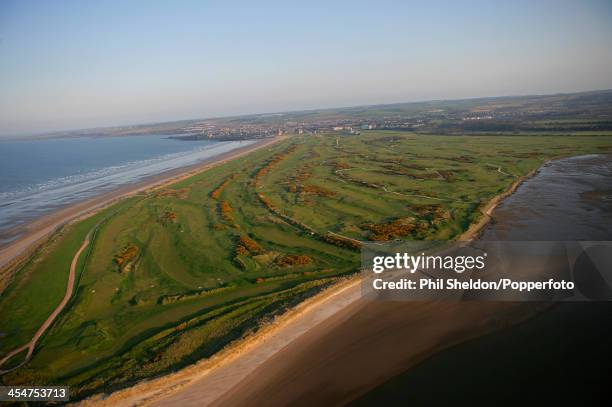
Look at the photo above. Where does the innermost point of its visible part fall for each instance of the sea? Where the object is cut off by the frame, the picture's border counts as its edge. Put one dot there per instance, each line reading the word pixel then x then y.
pixel 38 176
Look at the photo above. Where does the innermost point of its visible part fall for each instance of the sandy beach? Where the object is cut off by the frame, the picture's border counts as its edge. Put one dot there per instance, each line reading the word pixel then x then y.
pixel 32 234
pixel 352 343
pixel 204 382
pixel 324 334
pixel 358 349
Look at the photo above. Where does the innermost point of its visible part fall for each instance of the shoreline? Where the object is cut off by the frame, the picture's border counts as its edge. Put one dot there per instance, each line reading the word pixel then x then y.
pixel 234 364
pixel 219 366
pixel 35 233
pixel 474 230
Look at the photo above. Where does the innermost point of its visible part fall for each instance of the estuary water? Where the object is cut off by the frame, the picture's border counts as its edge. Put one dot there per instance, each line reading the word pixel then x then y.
pixel 559 357
pixel 568 199
pixel 38 176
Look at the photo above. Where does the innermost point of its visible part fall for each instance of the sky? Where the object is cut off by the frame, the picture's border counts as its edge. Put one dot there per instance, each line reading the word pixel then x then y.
pixel 81 64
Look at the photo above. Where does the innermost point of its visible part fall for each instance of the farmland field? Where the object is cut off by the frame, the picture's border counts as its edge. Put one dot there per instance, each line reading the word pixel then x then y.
pixel 175 274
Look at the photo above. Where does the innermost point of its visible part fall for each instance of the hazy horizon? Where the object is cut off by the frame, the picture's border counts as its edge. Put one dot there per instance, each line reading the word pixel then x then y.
pixel 70 65
pixel 187 119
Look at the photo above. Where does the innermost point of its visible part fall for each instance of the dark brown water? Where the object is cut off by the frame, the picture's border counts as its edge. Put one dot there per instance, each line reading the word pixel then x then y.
pixel 562 356
pixel 568 199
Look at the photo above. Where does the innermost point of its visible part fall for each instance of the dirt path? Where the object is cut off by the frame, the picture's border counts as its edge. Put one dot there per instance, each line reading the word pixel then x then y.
pixel 30 346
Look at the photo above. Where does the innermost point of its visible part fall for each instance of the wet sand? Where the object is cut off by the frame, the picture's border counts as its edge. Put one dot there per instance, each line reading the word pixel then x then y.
pixel 32 234
pixel 298 342
pixel 559 357
pixel 362 347
pixel 329 350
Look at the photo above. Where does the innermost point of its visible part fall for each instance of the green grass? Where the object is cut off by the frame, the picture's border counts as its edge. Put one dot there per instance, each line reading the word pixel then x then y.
pixel 186 294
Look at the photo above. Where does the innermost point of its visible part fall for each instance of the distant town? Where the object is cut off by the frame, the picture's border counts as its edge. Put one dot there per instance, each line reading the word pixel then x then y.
pixel 590 111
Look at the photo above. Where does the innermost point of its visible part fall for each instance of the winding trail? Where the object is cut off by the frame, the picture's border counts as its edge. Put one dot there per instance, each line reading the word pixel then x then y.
pixel 384 188
pixel 499 169
pixel 30 346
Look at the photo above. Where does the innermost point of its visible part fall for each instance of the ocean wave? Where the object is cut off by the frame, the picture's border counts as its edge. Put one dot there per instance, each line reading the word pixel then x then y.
pixel 37 199
pixel 107 171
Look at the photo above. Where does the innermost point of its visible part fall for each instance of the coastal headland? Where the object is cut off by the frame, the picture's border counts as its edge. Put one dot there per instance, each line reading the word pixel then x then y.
pixel 230 260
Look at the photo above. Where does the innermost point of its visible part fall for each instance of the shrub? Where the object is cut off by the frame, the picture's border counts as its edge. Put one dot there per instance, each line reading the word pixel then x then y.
pixel 292 260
